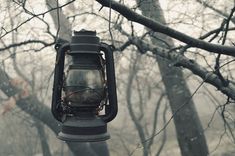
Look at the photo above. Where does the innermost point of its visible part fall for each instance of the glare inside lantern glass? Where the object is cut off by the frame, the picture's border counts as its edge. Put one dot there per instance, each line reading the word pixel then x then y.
pixel 84 87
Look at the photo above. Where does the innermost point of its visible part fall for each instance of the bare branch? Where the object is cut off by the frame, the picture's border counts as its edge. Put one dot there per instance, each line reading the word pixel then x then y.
pixel 208 76
pixel 25 43
pixel 158 27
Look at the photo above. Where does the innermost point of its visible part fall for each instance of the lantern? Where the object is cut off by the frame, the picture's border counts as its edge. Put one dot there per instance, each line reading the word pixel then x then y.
pixel 86 88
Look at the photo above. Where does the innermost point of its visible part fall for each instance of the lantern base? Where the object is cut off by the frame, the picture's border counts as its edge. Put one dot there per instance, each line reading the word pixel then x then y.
pixel 84 130
pixel 83 138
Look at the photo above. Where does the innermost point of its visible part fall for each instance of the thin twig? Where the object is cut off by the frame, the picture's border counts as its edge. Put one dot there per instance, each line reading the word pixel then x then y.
pixel 110 17
pixel 58 19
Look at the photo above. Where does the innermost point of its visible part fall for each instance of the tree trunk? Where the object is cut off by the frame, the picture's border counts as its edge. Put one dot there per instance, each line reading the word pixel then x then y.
pixel 189 131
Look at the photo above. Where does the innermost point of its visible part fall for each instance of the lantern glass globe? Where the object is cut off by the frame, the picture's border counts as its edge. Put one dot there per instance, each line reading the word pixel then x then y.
pixel 84 87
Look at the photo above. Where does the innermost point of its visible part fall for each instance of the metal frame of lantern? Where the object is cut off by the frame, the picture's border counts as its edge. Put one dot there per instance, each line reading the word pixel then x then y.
pixel 79 118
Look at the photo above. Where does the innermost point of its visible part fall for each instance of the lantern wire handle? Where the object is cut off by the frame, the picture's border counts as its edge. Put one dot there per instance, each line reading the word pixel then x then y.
pixel 56 107
pixel 112 108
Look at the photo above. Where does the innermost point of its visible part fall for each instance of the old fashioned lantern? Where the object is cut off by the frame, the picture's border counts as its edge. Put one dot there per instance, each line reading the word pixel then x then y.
pixel 84 95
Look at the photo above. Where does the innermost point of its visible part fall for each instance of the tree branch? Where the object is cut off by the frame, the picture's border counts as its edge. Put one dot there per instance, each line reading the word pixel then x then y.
pixel 25 43
pixel 158 27
pixel 208 76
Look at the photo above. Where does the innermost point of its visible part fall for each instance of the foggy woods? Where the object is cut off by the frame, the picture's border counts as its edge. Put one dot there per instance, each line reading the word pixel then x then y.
pixel 174 65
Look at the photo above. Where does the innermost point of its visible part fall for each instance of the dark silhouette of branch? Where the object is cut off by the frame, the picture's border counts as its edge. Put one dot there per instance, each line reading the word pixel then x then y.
pixel 226 124
pixel 217 61
pixel 45 44
pixel 158 27
pixel 214 32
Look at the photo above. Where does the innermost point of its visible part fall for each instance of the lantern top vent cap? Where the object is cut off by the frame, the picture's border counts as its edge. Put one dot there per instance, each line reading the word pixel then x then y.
pixel 84 32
